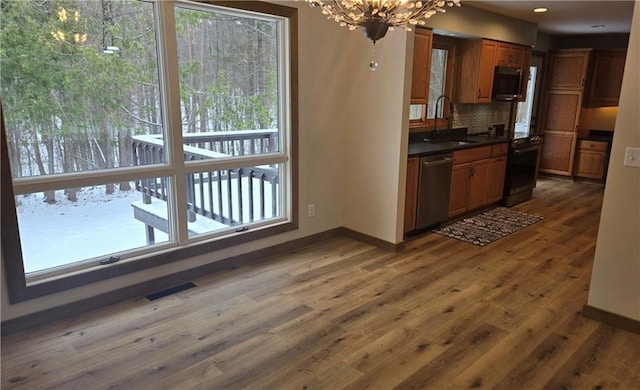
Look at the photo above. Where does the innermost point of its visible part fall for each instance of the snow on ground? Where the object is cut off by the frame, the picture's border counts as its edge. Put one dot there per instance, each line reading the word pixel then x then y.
pixel 98 225
pixel 95 226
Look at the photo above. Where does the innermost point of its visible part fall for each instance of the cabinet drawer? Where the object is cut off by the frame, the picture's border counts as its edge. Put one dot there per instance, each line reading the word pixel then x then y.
pixel 499 150
pixel 592 145
pixel 466 155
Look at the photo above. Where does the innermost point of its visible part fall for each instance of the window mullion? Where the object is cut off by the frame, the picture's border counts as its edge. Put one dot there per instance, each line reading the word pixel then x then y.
pixel 170 87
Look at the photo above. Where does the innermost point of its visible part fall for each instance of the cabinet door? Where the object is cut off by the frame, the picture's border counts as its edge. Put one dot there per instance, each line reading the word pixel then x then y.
pixel 561 111
pixel 559 123
pixel 422 44
pixel 516 56
pixel 459 189
pixel 495 185
pixel 509 55
pixel 502 54
pixel 411 194
pixel 557 153
pixel 478 183
pixel 487 65
pixel 568 69
pixel 606 82
pixel 590 164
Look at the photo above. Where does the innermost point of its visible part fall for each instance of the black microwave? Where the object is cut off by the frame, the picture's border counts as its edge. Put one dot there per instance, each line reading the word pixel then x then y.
pixel 507 83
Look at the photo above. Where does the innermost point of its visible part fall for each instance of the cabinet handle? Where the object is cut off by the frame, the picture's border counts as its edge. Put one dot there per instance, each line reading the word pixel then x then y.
pixel 478 92
pixel 582 83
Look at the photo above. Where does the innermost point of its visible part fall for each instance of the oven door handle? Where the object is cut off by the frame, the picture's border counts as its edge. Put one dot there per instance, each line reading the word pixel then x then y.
pixel 526 150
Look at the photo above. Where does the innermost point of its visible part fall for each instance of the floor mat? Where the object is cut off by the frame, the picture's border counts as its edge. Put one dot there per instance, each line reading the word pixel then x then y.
pixel 489 226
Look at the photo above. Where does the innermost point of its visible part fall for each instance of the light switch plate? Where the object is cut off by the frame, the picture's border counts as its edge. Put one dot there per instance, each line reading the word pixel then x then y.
pixel 632 157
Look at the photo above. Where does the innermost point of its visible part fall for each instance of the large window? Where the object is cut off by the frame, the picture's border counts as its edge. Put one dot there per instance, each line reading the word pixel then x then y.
pixel 138 129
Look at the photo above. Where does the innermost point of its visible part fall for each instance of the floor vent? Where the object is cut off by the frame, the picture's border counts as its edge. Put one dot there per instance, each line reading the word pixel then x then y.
pixel 169 291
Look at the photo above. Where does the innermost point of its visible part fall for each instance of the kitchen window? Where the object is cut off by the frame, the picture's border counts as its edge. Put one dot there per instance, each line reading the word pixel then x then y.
pixel 160 130
pixel 440 83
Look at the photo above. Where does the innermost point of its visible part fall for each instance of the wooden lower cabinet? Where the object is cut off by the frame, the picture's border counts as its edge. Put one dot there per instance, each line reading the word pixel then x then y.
pixel 411 194
pixel 495 185
pixel 459 192
pixel 478 183
pixel 591 159
pixel 477 178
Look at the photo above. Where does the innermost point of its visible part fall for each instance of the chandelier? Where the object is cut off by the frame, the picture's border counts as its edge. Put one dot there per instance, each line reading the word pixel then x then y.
pixel 376 17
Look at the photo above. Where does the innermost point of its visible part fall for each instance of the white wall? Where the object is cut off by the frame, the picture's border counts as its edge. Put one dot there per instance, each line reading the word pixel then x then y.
pixel 376 135
pixel 322 109
pixel 615 282
pixel 470 21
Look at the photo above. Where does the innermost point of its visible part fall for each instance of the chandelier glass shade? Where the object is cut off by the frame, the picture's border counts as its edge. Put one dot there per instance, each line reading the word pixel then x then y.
pixel 376 17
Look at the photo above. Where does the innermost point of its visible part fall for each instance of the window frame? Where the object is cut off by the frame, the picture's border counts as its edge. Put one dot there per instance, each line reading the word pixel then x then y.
pixel 20 289
pixel 443 43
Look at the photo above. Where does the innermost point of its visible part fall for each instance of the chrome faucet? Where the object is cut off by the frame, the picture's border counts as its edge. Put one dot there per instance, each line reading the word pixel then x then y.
pixel 449 119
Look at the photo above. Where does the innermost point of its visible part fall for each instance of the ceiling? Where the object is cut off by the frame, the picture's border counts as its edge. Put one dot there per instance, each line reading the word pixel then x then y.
pixel 566 17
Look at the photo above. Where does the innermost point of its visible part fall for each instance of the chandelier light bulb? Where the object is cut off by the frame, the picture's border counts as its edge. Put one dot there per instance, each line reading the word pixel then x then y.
pixel 376 17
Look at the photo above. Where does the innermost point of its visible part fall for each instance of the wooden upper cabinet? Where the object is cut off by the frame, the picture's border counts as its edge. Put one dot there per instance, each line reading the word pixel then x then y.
pixel 422 44
pixel 502 54
pixel 510 55
pixel 485 75
pixel 474 79
pixel 517 58
pixel 606 81
pixel 568 69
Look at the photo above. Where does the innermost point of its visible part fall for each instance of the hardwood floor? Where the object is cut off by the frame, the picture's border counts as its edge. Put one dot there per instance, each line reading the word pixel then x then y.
pixel 343 314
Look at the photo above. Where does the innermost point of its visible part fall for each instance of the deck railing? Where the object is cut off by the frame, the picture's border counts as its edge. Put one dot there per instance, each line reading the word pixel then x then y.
pixel 229 196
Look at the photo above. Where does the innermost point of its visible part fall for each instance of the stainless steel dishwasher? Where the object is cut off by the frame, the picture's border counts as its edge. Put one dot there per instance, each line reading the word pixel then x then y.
pixel 433 189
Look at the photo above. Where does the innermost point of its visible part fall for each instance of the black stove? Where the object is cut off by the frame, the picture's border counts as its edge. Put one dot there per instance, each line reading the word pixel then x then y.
pixel 521 169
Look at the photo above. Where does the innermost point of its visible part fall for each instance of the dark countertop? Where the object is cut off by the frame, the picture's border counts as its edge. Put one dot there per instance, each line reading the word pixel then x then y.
pixel 598 135
pixel 420 148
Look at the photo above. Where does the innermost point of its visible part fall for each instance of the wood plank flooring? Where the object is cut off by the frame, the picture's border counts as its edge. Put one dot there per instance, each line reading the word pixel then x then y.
pixel 441 314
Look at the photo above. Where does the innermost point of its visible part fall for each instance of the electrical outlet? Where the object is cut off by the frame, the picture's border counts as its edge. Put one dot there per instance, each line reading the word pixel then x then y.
pixel 632 157
pixel 311 210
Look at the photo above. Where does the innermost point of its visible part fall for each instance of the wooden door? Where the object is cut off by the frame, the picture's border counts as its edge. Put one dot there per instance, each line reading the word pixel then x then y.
pixel 459 189
pixel 478 183
pixel 411 194
pixel 422 45
pixel 487 66
pixel 495 183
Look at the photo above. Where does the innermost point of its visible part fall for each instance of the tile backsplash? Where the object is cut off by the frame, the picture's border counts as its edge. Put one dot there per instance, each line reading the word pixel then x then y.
pixel 479 117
